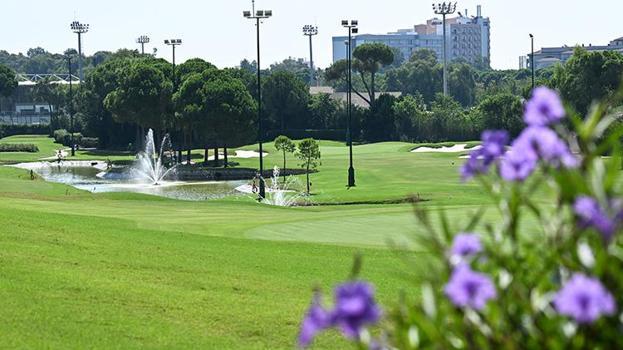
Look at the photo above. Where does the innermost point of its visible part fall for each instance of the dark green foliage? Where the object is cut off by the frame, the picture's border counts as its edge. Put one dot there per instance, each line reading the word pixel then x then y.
pixel 298 134
pixel 63 137
pixel 379 122
pixel 323 112
pixel 89 142
pixel 8 83
pixel 285 99
pixel 143 95
pixel 411 119
pixel 588 77
pixel 231 110
pixel 368 61
pixel 502 112
pixel 449 121
pixel 10 130
pixel 18 147
pixel 298 68
pixel 193 65
pixel 420 75
pixel 462 83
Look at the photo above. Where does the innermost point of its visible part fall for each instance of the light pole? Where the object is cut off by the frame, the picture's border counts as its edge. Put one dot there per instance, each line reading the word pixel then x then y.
pixel 310 31
pixel 173 43
pixel 352 29
pixel 71 103
pixel 445 9
pixel 143 39
pixel 79 28
pixel 258 16
pixel 532 59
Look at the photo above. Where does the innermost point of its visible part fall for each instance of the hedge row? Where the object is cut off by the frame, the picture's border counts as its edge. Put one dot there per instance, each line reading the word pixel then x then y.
pixel 18 147
pixel 10 130
pixel 63 137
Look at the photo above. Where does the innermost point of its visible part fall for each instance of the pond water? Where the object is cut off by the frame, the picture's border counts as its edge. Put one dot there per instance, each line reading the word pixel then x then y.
pixel 84 176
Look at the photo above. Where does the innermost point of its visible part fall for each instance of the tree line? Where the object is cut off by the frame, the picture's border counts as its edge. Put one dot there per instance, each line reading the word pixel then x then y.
pixel 203 106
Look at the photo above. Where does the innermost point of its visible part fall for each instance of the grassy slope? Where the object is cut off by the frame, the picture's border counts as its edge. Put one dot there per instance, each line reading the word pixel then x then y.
pixel 126 270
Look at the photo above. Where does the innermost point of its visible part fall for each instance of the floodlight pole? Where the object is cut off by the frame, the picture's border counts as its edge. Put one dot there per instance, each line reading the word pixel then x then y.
pixel 445 9
pixel 80 28
pixel 352 27
pixel 143 39
pixel 532 60
pixel 173 43
pixel 258 16
pixel 310 31
pixel 71 112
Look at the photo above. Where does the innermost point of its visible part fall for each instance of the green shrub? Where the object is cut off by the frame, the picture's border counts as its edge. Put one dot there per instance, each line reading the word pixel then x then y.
pixel 63 137
pixel 89 142
pixel 18 147
pixel 10 130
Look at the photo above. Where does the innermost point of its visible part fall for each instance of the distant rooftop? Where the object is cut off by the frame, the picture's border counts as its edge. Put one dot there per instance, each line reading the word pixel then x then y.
pixel 32 79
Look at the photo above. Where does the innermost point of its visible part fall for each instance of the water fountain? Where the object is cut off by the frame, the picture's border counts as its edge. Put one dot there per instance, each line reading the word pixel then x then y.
pixel 149 166
pixel 281 195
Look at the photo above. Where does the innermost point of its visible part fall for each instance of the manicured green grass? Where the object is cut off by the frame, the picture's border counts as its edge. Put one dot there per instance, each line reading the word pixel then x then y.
pixel 121 270
pixel 47 148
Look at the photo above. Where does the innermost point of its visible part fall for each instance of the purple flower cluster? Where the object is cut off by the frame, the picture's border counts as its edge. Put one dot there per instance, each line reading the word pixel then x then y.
pixel 536 143
pixel 493 147
pixel 466 244
pixel 584 299
pixel 591 214
pixel 316 319
pixel 467 288
pixel 354 308
pixel 544 108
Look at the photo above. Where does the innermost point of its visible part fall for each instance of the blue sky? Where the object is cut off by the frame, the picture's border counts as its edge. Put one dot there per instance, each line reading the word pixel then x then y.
pixel 216 31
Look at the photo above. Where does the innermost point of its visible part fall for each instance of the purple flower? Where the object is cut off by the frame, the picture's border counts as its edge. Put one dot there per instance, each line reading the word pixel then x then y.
pixel 467 288
pixel 584 299
pixel 592 215
pixel 316 320
pixel 544 108
pixel 466 244
pixel 547 145
pixel 355 307
pixel 493 142
pixel 535 143
pixel 518 164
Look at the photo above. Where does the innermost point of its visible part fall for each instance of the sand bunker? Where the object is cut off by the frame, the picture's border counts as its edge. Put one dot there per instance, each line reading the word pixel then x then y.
pixel 460 147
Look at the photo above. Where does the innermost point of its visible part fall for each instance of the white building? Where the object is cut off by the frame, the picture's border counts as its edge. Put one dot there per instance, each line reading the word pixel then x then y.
pixel 468 38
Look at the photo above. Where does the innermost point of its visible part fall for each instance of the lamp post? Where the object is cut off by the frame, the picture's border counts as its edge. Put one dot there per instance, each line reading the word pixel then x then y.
pixel 173 43
pixel 310 31
pixel 352 29
pixel 258 16
pixel 532 59
pixel 142 40
pixel 71 103
pixel 79 28
pixel 445 9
